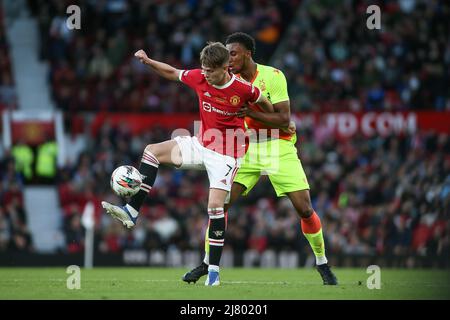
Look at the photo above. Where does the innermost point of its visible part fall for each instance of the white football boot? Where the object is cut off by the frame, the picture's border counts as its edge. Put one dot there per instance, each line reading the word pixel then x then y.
pixel 121 213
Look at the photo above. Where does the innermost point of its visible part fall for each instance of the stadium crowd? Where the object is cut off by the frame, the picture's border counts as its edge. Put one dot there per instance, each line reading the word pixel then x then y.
pixel 331 59
pixel 8 94
pixel 376 197
pixel 333 62
pixel 93 68
pixel 14 233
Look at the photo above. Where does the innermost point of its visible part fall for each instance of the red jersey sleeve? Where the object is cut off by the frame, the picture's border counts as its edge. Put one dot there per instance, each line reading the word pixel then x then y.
pixel 192 78
pixel 255 94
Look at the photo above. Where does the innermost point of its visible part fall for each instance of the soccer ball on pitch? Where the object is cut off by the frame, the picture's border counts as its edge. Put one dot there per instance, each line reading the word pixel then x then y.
pixel 126 181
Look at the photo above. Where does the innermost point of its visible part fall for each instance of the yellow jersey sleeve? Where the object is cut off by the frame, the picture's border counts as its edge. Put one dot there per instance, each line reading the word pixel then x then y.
pixel 278 87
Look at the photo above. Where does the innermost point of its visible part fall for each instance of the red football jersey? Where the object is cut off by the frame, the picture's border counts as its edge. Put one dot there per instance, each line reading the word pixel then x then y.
pixel 221 130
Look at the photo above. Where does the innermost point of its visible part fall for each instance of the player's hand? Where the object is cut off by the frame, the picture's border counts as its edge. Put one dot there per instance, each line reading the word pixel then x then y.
pixel 243 111
pixel 291 129
pixel 141 55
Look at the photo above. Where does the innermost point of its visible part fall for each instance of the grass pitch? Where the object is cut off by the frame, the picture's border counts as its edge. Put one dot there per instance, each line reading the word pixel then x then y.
pixel 236 284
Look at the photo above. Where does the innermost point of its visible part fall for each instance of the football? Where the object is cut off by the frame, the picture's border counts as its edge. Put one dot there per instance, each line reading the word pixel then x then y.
pixel 126 181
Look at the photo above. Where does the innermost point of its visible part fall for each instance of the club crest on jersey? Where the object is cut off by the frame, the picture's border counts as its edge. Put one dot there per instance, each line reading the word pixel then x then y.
pixel 234 100
pixel 262 85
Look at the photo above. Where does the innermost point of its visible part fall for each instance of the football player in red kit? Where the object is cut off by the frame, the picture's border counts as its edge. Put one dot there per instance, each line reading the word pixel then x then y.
pixel 217 148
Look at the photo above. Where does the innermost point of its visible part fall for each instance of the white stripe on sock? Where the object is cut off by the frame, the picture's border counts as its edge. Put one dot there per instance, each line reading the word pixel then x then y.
pixel 145 187
pixel 215 242
pixel 213 268
pixel 150 156
pixel 217 216
pixel 150 163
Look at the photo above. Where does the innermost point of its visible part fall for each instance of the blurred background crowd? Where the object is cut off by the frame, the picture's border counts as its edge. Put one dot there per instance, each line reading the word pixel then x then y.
pixel 331 62
pixel 95 70
pixel 376 196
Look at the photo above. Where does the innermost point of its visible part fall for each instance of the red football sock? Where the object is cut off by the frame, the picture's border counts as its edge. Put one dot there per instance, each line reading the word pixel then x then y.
pixel 311 224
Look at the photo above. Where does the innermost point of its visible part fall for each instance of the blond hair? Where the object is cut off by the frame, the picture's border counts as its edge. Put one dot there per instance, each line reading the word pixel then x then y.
pixel 214 55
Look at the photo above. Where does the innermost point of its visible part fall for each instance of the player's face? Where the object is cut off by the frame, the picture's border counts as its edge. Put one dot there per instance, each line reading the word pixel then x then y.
pixel 239 57
pixel 215 76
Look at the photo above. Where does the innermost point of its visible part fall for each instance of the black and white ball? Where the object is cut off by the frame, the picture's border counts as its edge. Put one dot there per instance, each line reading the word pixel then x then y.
pixel 126 181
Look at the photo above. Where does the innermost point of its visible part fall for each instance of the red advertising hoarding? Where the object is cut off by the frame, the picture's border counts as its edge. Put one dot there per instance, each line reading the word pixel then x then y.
pixel 139 123
pixel 32 132
pixel 343 124
pixel 346 124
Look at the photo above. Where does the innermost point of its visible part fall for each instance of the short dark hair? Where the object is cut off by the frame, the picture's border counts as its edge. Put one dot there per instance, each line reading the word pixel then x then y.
pixel 214 55
pixel 244 39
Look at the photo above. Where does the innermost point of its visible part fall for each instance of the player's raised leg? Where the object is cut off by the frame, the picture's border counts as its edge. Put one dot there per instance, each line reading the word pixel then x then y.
pixel 312 229
pixel 167 152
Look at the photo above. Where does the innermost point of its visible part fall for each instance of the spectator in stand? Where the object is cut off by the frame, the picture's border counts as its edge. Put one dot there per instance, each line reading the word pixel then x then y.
pixel 95 59
pixel 8 94
pixel 334 58
pixel 14 233
pixel 379 196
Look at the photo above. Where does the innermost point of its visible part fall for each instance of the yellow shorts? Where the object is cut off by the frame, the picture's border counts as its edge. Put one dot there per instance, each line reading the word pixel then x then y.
pixel 276 158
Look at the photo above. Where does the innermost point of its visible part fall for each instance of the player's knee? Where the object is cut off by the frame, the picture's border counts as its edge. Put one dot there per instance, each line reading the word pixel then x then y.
pixel 302 203
pixel 305 211
pixel 153 149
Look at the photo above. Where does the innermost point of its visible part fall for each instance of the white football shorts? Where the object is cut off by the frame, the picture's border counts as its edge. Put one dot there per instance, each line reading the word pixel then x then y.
pixel 221 169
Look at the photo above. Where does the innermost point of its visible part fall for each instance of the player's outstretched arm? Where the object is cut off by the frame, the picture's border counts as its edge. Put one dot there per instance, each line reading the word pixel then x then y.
pixel 161 68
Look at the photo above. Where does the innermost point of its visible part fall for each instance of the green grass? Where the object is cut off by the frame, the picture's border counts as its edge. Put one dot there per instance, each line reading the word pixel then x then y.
pixel 236 284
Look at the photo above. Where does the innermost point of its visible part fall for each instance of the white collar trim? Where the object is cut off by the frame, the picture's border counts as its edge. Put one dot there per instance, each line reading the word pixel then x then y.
pixel 226 85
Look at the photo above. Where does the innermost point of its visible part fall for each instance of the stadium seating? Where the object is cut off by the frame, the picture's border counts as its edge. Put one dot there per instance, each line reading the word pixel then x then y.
pixel 379 196
pixel 93 68
pixel 8 95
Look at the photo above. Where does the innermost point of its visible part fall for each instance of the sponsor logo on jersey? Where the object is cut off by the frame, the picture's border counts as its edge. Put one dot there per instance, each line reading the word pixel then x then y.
pixel 206 106
pixel 221 100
